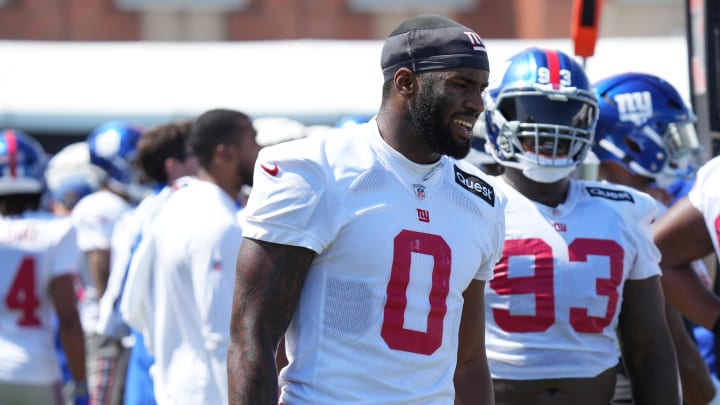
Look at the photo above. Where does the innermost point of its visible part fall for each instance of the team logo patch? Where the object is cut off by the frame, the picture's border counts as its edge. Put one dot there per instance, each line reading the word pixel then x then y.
pixel 423 215
pixel 475 185
pixel 419 191
pixel 617 195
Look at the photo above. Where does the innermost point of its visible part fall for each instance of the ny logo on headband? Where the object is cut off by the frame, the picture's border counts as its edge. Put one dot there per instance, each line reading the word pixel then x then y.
pixel 475 40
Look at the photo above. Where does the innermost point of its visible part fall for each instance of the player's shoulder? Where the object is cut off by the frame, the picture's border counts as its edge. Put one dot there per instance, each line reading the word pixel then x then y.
pixel 616 196
pixel 102 202
pixel 486 188
pixel 215 202
pixel 709 173
pixel 53 226
pixel 323 144
pixel 46 217
pixel 328 154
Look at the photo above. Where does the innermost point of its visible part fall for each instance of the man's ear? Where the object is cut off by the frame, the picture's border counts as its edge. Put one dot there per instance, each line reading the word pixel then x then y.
pixel 404 81
pixel 225 152
pixel 172 167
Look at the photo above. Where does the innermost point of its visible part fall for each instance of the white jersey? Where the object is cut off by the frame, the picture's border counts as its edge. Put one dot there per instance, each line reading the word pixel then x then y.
pixel 94 218
pixel 397 245
pixel 190 252
pixel 553 305
pixel 34 249
pixel 125 238
pixel 136 305
pixel 705 196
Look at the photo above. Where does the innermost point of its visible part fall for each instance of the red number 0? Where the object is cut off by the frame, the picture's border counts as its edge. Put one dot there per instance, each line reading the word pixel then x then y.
pixel 22 295
pixel 541 284
pixel 393 332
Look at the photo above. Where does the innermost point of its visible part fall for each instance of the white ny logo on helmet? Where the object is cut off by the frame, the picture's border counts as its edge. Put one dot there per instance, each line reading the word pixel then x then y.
pixel 635 107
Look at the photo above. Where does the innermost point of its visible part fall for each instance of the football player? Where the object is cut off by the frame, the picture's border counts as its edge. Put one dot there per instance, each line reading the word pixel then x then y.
pixel 112 147
pixel 39 257
pixel 165 158
pixel 688 231
pixel 579 274
pixel 360 244
pixel 187 258
pixel 645 137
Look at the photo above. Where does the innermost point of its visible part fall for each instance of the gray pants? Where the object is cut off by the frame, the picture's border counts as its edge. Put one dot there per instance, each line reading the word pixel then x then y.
pixel 107 361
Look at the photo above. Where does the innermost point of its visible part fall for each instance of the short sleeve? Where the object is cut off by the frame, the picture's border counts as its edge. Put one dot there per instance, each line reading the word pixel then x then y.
pixel 290 202
pixel 94 219
pixel 701 195
pixel 65 254
pixel 705 196
pixel 647 255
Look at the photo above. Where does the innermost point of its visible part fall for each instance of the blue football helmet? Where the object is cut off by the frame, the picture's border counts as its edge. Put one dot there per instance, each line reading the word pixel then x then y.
pixel 646 126
pixel 352 120
pixel 541 116
pixel 22 163
pixel 113 148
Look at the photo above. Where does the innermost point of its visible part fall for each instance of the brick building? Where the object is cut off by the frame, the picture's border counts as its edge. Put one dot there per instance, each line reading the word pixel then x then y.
pixel 240 20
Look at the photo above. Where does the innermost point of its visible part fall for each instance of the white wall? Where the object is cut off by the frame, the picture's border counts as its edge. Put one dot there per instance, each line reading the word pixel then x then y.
pixel 51 86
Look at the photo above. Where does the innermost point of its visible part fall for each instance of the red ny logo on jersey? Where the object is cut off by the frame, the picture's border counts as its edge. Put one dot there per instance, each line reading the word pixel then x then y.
pixel 423 215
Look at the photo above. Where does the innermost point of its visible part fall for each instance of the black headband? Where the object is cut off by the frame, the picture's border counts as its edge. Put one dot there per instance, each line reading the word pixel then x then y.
pixel 422 49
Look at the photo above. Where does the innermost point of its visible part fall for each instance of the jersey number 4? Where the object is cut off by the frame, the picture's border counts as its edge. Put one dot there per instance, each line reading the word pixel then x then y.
pixel 22 295
pixel 393 332
pixel 542 285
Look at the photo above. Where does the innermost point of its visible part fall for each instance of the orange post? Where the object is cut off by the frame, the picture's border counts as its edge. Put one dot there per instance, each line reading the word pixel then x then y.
pixel 584 23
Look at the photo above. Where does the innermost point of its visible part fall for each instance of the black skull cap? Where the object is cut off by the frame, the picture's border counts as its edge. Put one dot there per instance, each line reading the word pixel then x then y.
pixel 432 42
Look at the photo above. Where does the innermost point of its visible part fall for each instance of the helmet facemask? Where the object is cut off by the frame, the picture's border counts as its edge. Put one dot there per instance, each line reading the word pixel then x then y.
pixel 674 150
pixel 682 144
pixel 544 132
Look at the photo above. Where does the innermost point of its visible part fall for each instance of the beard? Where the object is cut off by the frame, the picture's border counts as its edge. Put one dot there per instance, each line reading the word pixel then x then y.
pixel 244 173
pixel 425 115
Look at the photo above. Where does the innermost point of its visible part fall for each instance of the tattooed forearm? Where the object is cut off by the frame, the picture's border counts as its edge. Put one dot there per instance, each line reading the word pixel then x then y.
pixel 268 283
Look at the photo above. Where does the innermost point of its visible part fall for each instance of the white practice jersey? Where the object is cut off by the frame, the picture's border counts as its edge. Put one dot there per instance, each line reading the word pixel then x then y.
pixel 189 250
pixel 397 245
pixel 34 249
pixel 705 196
pixel 552 308
pixel 94 218
pixel 125 239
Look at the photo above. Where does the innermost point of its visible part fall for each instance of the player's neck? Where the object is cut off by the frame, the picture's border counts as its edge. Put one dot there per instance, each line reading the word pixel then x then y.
pixel 226 184
pixel 400 136
pixel 549 194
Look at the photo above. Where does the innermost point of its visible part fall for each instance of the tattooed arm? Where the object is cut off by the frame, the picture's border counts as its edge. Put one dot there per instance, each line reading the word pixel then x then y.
pixel 269 278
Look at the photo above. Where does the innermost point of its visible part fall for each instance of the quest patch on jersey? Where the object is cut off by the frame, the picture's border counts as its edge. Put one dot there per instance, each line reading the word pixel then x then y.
pixel 617 195
pixel 475 185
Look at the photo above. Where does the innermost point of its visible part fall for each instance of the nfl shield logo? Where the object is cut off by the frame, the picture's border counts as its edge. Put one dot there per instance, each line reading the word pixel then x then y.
pixel 419 191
